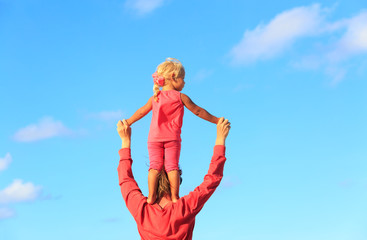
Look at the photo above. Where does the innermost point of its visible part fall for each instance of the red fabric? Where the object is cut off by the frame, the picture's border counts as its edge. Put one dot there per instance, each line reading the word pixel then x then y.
pixel 176 220
pixel 167 117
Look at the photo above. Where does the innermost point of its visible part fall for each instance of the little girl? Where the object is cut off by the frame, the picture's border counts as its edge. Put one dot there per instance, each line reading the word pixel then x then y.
pixel 164 139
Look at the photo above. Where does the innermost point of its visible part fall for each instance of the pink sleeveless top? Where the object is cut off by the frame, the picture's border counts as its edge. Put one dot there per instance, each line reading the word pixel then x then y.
pixel 167 117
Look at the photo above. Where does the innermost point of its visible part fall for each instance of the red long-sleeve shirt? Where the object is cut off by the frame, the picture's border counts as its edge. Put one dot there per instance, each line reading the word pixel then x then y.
pixel 176 220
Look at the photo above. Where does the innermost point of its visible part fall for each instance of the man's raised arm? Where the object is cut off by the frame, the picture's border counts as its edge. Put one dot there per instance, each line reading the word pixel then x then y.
pixel 129 188
pixel 195 200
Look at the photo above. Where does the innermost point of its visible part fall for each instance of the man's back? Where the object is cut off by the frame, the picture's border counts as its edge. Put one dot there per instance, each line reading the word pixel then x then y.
pixel 174 220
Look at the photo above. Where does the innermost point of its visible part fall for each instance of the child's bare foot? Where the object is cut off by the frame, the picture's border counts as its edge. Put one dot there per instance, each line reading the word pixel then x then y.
pixel 174 197
pixel 151 199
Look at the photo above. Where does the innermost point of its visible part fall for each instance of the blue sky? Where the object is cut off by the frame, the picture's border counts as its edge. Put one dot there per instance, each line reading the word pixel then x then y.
pixel 290 76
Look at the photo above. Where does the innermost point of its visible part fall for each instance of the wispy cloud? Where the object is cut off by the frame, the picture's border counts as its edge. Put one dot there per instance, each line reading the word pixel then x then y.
pixel 47 127
pixel 142 7
pixel 107 115
pixel 335 42
pixel 4 162
pixel 336 73
pixel 270 40
pixel 16 192
pixel 353 41
pixel 19 192
pixel 6 213
pixel 332 58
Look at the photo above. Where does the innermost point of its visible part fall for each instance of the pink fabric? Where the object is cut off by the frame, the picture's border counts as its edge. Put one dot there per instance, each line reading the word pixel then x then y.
pixel 164 154
pixel 167 117
pixel 175 221
pixel 159 80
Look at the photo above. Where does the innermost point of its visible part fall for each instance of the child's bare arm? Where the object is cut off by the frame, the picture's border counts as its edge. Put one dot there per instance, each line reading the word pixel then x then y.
pixel 141 112
pixel 198 111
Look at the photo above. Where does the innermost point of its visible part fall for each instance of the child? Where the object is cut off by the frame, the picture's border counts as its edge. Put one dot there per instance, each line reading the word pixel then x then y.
pixel 164 139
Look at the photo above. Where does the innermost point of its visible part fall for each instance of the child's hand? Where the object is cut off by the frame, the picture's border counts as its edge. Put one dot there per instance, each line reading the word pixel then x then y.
pixel 223 128
pixel 124 132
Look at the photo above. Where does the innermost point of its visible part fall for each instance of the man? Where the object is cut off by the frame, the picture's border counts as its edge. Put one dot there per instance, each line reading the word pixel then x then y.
pixel 165 219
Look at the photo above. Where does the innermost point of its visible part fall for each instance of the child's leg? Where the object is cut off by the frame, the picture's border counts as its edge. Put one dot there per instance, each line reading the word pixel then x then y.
pixel 174 182
pixel 172 154
pixel 152 185
pixel 156 153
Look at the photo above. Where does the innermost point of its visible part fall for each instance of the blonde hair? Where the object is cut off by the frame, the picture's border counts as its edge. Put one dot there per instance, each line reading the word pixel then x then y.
pixel 166 69
pixel 163 185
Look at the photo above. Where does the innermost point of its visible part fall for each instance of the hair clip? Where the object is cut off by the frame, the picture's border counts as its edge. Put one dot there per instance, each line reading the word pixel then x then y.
pixel 158 79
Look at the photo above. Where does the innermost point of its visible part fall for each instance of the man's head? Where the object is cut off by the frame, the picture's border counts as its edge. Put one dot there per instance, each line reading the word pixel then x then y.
pixel 164 188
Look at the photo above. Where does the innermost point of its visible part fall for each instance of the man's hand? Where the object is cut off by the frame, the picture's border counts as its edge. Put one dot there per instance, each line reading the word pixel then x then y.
pixel 223 127
pixel 124 131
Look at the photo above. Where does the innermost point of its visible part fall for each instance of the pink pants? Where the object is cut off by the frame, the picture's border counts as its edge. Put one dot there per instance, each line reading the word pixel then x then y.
pixel 164 153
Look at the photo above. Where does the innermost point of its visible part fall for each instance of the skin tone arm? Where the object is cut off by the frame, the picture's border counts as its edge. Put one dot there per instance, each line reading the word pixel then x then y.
pixel 198 111
pixel 223 128
pixel 196 199
pixel 124 132
pixel 141 112
pixel 130 190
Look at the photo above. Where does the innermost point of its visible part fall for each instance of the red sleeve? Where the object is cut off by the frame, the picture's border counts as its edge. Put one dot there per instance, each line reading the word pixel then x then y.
pixel 195 200
pixel 129 188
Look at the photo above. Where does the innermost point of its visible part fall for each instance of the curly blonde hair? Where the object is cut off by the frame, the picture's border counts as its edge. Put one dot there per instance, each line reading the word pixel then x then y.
pixel 166 69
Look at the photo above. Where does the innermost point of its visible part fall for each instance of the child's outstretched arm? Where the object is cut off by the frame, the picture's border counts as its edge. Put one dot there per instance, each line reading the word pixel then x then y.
pixel 141 112
pixel 198 111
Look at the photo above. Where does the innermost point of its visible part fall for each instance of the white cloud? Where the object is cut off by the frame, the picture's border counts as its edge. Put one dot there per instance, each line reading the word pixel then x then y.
pixel 19 192
pixel 47 127
pixel 4 162
pixel 15 192
pixel 337 74
pixel 336 42
pixel 107 115
pixel 143 7
pixel 267 41
pixel 353 41
pixel 312 62
pixel 6 213
pixel 331 57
